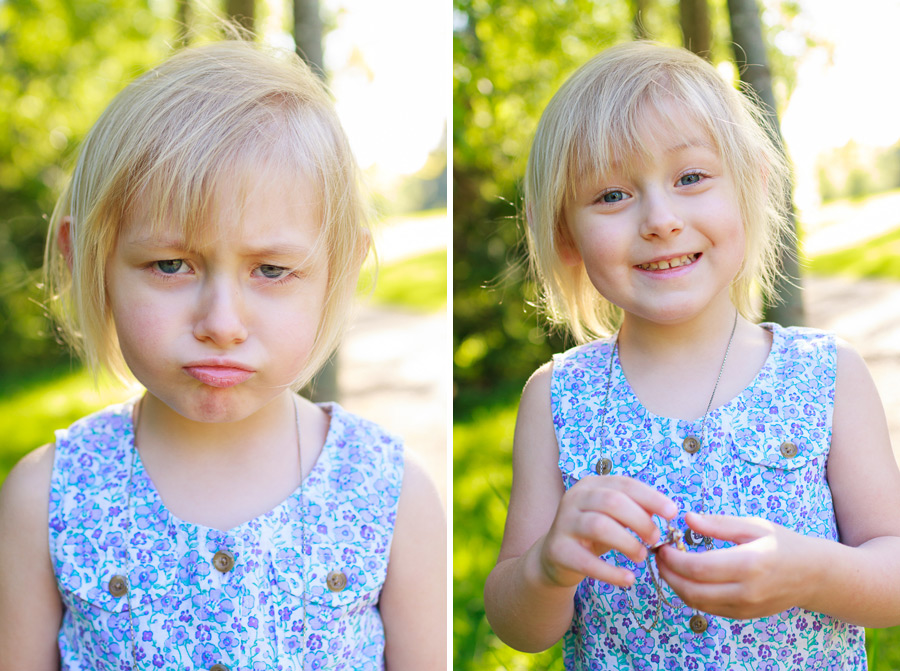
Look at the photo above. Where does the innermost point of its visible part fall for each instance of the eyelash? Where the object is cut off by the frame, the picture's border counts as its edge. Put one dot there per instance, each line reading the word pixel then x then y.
pixel 286 277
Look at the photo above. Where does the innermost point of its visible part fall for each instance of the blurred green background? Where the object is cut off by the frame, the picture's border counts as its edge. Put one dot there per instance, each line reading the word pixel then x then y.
pixel 510 56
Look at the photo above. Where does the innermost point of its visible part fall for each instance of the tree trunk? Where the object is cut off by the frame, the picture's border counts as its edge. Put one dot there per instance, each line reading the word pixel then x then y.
pixel 695 29
pixel 638 28
pixel 308 34
pixel 786 305
pixel 308 38
pixel 242 12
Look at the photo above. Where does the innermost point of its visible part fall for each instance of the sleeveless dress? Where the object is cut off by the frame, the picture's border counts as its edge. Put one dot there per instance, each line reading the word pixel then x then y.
pixel 295 588
pixel 764 455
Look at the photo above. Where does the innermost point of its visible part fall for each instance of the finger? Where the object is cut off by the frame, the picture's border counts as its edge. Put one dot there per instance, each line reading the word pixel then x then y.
pixel 650 499
pixel 734 564
pixel 738 530
pixel 621 508
pixel 582 561
pixel 605 533
pixel 708 597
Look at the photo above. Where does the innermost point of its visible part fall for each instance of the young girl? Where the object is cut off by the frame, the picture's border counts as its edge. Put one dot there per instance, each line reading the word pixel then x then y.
pixel 209 243
pixel 694 490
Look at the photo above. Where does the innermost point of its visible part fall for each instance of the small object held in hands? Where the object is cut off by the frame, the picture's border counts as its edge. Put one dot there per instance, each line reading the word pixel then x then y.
pixel 674 536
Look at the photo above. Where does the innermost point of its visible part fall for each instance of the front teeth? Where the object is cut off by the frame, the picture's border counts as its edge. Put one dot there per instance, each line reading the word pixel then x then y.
pixel 671 263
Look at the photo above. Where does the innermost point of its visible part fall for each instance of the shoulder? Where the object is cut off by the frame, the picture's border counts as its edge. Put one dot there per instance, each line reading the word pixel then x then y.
pixel 27 487
pixel 586 354
pixel 803 340
pixel 351 429
pixel 413 602
pixel 102 430
pixel 30 606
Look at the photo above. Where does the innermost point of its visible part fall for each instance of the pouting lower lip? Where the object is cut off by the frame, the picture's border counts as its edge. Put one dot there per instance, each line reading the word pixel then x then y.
pixel 218 376
pixel 676 262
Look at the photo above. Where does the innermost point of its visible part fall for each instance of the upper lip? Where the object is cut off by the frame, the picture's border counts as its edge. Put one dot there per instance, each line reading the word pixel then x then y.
pixel 217 362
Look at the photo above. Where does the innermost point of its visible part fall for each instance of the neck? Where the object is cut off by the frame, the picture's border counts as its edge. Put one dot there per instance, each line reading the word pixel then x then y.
pixel 699 338
pixel 162 427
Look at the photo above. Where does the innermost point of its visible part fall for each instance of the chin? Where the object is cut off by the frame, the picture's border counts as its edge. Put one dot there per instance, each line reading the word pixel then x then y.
pixel 212 406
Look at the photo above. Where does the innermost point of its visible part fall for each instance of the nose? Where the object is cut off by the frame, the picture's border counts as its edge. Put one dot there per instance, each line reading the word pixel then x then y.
pixel 220 318
pixel 660 216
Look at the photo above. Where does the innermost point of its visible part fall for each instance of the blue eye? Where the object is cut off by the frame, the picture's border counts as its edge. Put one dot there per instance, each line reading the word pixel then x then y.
pixel 272 272
pixel 690 178
pixel 170 266
pixel 612 197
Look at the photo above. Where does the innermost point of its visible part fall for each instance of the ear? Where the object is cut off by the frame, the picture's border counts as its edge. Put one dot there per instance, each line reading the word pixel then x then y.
pixel 64 240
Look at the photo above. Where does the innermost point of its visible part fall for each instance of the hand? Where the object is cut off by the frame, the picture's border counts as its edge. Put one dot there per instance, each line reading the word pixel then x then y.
pixel 762 575
pixel 593 517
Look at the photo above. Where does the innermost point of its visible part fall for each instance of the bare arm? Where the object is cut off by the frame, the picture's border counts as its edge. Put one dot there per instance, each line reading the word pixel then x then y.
pixel 553 538
pixel 414 598
pixel 30 607
pixel 773 569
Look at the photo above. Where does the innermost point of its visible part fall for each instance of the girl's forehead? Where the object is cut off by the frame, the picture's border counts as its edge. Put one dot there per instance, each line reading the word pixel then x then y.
pixel 242 203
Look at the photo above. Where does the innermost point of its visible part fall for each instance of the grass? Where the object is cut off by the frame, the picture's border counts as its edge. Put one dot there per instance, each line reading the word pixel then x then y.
pixel 482 462
pixel 418 283
pixel 875 258
pixel 482 454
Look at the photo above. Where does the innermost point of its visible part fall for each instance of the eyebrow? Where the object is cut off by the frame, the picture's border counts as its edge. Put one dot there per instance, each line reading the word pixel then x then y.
pixel 690 144
pixel 275 249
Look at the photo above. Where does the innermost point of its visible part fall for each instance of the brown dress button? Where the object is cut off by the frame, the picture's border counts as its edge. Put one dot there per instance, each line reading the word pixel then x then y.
pixel 604 466
pixel 219 667
pixel 336 581
pixel 698 624
pixel 118 586
pixel 690 445
pixel 788 450
pixel 223 560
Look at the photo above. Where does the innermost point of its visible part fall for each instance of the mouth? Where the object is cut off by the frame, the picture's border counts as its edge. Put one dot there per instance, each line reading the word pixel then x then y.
pixel 220 375
pixel 674 262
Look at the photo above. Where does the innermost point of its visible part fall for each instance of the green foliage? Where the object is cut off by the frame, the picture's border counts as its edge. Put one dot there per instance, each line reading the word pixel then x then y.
pixel 509 58
pixel 482 458
pixel 60 64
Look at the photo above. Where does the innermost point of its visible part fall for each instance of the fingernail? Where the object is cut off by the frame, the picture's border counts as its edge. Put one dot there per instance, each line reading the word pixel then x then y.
pixel 629 580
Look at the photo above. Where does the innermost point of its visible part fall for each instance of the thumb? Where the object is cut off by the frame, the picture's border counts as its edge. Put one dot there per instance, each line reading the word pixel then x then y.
pixel 738 530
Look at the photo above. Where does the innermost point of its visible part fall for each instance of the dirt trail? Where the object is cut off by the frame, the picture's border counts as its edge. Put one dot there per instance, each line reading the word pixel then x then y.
pixel 866 313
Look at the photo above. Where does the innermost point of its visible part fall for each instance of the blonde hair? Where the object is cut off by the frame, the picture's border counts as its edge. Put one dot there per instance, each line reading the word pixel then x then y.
pixel 171 138
pixel 594 122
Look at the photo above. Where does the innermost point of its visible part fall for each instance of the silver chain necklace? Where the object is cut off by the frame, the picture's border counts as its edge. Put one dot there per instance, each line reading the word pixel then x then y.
pixel 119 585
pixel 673 535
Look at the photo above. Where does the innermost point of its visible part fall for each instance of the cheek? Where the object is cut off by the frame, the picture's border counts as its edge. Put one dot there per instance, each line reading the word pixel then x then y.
pixel 141 325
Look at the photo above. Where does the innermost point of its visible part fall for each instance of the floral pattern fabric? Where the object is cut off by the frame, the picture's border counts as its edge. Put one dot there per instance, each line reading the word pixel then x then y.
pixel 744 467
pixel 273 610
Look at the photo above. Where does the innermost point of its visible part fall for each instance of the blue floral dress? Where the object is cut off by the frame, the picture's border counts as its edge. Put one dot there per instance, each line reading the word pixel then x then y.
pixel 296 588
pixel 764 455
